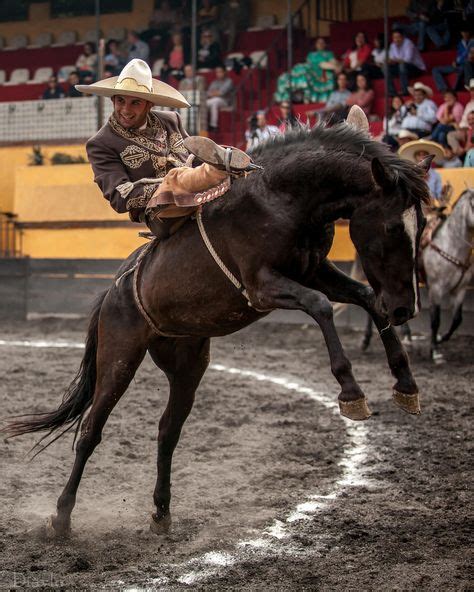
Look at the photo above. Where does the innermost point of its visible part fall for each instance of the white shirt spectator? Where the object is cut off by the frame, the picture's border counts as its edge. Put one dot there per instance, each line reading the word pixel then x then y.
pixel 259 135
pixel 424 119
pixel 467 109
pixel 406 52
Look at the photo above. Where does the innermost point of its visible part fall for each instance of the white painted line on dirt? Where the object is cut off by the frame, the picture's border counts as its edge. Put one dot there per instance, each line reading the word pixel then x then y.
pixel 353 475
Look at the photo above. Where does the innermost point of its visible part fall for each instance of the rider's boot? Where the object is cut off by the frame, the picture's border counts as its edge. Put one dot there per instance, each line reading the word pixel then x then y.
pixel 226 158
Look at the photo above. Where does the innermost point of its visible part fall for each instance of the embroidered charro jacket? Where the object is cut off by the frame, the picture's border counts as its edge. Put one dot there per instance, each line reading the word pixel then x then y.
pixel 120 155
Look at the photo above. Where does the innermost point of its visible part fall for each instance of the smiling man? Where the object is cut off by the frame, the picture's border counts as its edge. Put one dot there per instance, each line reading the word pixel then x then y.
pixel 139 156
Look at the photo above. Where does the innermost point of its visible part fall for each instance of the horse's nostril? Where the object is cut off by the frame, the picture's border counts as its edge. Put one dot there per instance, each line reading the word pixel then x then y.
pixel 401 314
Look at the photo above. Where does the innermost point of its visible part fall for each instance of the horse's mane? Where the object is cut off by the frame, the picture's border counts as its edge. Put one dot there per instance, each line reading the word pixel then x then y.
pixel 337 139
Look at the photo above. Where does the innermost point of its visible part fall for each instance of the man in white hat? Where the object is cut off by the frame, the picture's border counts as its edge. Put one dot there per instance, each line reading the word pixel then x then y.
pixel 139 156
pixel 421 112
pixel 417 151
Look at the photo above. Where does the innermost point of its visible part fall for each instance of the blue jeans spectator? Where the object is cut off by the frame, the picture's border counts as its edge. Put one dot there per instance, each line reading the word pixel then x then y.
pixel 439 34
pixel 404 71
pixel 440 133
pixel 440 71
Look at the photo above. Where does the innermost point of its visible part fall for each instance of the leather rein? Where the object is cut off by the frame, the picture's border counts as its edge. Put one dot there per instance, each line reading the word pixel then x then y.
pixel 454 260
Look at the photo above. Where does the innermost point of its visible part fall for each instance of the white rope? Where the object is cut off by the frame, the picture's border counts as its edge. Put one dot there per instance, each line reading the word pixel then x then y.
pixel 218 260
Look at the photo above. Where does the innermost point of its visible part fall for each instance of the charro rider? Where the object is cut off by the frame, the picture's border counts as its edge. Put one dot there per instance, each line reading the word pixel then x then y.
pixel 141 160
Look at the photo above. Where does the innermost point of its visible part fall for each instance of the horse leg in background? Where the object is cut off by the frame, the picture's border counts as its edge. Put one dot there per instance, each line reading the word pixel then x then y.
pixel 435 318
pixel 406 333
pixel 339 287
pixel 184 362
pixel 122 338
pixel 457 315
pixel 367 333
pixel 270 290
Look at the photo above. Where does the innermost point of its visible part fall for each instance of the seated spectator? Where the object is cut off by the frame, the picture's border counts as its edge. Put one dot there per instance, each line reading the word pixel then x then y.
pixel 113 59
pixel 451 161
pixel 288 119
pixel 72 80
pixel 462 50
pixel 427 17
pixel 449 115
pixel 418 151
pixel 220 94
pixel 421 112
pixel 233 19
pixel 336 106
pixel 190 81
pixel 209 51
pixel 259 131
pixel 53 90
pixel 138 49
pixel 397 113
pixel 469 66
pixel 363 94
pixel 86 63
pixel 404 61
pixel 356 57
pixel 459 140
pixel 311 81
pixel 374 66
pixel 175 59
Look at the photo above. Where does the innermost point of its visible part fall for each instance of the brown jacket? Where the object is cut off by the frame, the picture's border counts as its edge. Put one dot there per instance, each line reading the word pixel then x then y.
pixel 118 155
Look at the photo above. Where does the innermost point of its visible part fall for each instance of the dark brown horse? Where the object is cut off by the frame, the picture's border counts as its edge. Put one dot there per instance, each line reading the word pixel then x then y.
pixel 273 230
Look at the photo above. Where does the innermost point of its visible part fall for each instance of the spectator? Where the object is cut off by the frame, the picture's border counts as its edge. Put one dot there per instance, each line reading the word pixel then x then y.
pixel 190 81
pixel 72 80
pixel 288 118
pixel 363 95
pixel 163 19
pixel 208 14
pixel 462 50
pixel 469 160
pixel 421 113
pixel 209 51
pixel 356 57
pixel 220 94
pixel 233 19
pixel 336 105
pixel 469 66
pixel 137 48
pixel 418 151
pixel 404 61
pixel 311 81
pixel 449 115
pixel 53 90
pixel 374 66
pixel 428 17
pixel 177 56
pixel 188 84
pixel 459 140
pixel 451 161
pixel 86 63
pixel 397 113
pixel 113 59
pixel 259 131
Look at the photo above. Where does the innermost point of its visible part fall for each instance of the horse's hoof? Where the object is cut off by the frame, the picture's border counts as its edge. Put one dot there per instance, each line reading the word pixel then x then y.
pixel 160 524
pixel 437 357
pixel 357 410
pixel 409 403
pixel 55 530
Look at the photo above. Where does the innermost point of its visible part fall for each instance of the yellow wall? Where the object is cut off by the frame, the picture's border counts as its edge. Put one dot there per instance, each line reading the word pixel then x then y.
pixel 458 178
pixel 40 22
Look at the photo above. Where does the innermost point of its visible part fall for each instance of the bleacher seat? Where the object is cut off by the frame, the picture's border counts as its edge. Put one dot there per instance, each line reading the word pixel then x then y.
pixel 64 72
pixel 41 75
pixel 117 33
pixel 3 76
pixel 157 66
pixel 17 42
pixel 259 57
pixel 42 40
pixel 18 76
pixel 264 21
pixel 65 38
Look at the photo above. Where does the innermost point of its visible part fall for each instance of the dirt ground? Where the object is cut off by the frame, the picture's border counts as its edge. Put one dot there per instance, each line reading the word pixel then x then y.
pixel 250 452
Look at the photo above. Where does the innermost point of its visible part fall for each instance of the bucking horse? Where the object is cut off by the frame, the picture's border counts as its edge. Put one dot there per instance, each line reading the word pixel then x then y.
pixel 272 233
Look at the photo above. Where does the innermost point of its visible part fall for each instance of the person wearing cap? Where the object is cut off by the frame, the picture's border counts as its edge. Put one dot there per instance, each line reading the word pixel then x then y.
pixel 404 61
pixel 419 150
pixel 421 112
pixel 139 156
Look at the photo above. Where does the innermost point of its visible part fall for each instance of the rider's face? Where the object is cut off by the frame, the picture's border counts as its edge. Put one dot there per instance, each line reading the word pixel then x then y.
pixel 130 112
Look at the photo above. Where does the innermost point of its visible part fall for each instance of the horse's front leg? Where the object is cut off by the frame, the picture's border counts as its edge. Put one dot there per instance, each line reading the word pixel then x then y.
pixel 270 290
pixel 184 361
pixel 339 287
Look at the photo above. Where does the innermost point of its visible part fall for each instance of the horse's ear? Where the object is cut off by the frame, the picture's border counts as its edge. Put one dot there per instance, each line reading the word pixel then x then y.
pixel 358 119
pixel 425 164
pixel 383 176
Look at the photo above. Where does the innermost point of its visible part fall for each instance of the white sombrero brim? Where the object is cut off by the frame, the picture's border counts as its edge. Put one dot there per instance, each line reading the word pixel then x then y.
pixel 409 150
pixel 163 94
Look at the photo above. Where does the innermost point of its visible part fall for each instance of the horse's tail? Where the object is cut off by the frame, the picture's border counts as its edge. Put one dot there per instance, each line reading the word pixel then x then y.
pixel 76 400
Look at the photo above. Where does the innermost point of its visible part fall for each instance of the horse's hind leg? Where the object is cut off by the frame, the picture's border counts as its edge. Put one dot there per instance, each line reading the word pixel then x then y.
pixel 435 318
pixel 121 347
pixel 184 362
pixel 457 315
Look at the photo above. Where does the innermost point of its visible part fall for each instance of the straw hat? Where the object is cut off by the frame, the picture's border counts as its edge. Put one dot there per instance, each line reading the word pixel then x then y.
pixel 420 86
pixel 135 80
pixel 471 85
pixel 406 134
pixel 409 150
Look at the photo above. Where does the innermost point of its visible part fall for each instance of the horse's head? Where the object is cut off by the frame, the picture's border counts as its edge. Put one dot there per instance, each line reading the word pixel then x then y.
pixel 386 231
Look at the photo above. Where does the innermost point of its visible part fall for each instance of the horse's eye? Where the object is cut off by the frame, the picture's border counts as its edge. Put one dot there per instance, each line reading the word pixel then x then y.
pixel 393 227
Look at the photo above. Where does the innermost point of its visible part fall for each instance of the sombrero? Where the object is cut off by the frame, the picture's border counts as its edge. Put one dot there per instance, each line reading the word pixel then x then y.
pixel 409 150
pixel 135 80
pixel 471 85
pixel 404 133
pixel 420 86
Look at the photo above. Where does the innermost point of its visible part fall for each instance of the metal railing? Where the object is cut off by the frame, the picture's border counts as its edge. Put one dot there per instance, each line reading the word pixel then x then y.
pixel 11 244
pixel 254 90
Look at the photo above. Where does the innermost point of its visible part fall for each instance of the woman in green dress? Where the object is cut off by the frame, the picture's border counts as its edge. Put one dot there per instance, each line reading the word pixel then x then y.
pixel 311 81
